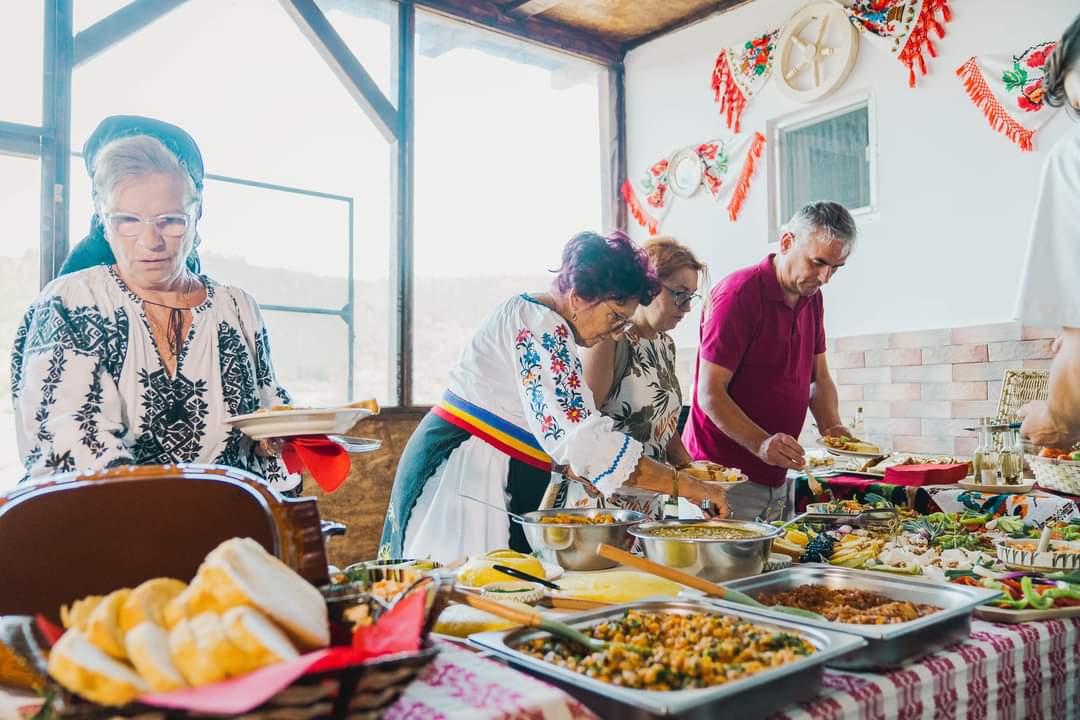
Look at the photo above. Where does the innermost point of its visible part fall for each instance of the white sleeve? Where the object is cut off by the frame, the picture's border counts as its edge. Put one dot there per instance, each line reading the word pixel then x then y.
pixel 1049 294
pixel 68 411
pixel 560 409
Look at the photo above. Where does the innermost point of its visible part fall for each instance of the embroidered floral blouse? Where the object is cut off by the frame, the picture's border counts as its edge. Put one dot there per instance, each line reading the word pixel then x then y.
pixel 90 391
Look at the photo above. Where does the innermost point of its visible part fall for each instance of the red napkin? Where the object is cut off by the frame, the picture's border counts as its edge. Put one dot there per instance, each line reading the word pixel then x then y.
pixel 918 475
pixel 397 631
pixel 327 461
pixel 51 632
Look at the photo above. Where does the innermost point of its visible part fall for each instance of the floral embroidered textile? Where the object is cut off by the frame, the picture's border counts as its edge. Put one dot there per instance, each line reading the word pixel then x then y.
pixel 1009 91
pixel 739 73
pixel 902 26
pixel 727 168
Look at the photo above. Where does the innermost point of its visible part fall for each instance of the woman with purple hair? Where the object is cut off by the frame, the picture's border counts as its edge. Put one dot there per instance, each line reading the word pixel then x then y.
pixel 517 408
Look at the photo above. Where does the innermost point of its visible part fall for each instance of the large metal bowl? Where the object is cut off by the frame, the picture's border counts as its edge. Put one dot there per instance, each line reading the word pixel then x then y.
pixel 709 558
pixel 573 547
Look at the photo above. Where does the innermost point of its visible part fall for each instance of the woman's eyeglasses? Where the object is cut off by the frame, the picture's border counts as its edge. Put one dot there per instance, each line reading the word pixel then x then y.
pixel 683 298
pixel 170 225
pixel 618 322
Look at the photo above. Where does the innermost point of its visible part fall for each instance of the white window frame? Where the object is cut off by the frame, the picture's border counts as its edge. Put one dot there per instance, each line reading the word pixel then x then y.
pixel 809 116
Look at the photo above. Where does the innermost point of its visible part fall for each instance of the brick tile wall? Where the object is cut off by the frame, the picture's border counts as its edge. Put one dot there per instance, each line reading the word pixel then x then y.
pixel 918 390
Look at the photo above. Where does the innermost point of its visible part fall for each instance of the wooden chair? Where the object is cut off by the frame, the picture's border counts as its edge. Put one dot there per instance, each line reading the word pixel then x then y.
pixel 88 534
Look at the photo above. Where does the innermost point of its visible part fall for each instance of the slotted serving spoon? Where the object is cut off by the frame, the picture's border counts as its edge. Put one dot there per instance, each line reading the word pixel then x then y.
pixel 532 619
pixel 705 586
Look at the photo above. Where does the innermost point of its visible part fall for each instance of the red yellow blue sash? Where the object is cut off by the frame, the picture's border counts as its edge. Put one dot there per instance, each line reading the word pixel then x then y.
pixel 492 429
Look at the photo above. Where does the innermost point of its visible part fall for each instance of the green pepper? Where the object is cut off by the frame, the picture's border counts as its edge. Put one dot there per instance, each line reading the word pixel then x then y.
pixel 976 520
pixel 1005 600
pixel 1038 602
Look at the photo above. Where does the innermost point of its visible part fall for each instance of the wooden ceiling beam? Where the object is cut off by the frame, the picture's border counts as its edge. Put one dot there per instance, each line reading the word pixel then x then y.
pixel 529 8
pixel 487 14
pixel 706 12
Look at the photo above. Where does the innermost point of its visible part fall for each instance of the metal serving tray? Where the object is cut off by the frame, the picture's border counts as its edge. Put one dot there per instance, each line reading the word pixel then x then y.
pixel 887 645
pixel 752 697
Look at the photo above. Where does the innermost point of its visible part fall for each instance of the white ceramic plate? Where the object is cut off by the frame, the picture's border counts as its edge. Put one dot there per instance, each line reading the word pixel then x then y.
pixel 684 172
pixel 852 453
pixel 298 421
pixel 1023 488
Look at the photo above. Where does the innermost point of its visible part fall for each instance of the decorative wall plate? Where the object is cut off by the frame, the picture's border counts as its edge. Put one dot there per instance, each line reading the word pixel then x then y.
pixel 817 51
pixel 684 172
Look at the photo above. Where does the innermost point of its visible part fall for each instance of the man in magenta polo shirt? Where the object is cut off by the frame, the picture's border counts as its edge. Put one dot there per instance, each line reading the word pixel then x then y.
pixel 762 361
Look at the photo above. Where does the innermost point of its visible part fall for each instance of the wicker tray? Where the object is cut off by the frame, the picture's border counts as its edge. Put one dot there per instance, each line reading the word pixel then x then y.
pixel 1056 474
pixel 363 692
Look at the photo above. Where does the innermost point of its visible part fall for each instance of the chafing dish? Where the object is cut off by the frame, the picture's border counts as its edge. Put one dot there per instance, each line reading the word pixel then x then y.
pixel 752 697
pixel 887 645
pixel 713 559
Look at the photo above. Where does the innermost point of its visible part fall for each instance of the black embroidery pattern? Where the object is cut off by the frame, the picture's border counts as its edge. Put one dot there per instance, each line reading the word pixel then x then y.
pixel 173 423
pixel 87 415
pixel 83 330
pixel 17 354
pixel 238 391
pixel 264 373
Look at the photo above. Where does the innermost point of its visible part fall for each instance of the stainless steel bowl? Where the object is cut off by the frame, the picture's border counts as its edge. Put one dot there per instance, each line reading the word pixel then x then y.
pixel 713 559
pixel 573 547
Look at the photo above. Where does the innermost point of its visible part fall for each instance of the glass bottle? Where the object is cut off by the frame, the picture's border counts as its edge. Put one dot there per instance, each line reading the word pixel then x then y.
pixel 857 423
pixel 986 463
pixel 1011 457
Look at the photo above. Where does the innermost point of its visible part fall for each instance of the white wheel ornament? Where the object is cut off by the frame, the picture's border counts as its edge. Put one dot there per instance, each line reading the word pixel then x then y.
pixel 817 51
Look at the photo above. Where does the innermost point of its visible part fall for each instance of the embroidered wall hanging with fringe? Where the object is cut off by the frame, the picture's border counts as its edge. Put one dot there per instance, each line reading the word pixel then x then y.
pixel 727 169
pixel 1009 91
pixel 904 27
pixel 739 73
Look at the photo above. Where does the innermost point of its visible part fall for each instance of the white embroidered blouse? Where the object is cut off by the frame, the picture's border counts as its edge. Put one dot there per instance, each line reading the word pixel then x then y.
pixel 523 366
pixel 90 390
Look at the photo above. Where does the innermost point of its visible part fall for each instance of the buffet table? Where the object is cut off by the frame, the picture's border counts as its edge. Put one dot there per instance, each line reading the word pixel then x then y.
pixel 1002 671
pixel 1021 671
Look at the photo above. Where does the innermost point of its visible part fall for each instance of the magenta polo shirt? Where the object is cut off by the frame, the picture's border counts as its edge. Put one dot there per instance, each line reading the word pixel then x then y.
pixel 770 348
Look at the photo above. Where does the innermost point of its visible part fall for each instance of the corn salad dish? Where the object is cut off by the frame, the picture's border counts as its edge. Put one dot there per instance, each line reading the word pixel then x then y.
pixel 678 652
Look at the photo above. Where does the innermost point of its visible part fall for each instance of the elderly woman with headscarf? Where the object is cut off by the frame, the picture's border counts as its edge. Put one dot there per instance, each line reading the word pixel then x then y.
pixel 131 356
pixel 517 407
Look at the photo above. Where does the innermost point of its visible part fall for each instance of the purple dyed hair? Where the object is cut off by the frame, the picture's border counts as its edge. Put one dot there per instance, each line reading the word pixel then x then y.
pixel 607 268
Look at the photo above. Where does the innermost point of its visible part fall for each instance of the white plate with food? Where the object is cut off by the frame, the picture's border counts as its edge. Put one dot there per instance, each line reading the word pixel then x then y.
pixel 712 472
pixel 846 447
pixel 1023 554
pixel 1021 488
pixel 480 570
pixel 292 422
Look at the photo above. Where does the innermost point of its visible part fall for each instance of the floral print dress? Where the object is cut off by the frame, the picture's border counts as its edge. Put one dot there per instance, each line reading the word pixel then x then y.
pixel 646 405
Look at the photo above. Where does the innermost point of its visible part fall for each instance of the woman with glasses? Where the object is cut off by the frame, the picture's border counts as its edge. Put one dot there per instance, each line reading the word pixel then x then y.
pixel 517 408
pixel 131 356
pixel 632 376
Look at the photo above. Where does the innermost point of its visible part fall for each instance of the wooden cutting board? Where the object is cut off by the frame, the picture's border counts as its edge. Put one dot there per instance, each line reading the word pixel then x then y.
pixel 1004 615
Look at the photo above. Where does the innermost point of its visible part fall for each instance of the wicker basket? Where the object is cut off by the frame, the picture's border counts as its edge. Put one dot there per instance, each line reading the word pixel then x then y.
pixel 1056 474
pixel 1018 388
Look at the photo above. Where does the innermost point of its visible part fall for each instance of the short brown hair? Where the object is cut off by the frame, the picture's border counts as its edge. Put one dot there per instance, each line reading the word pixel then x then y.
pixel 669 256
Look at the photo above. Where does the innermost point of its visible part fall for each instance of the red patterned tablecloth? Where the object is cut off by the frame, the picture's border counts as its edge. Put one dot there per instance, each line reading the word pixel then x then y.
pixel 1016 672
pixel 461 685
pixel 1029 671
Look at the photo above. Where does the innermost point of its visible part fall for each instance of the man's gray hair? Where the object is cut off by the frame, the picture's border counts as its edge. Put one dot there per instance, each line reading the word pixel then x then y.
pixel 829 219
pixel 132 157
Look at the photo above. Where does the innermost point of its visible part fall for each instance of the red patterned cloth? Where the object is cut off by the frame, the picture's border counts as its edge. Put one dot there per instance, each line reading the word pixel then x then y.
pixel 740 72
pixel 1019 672
pixel 904 27
pixel 460 685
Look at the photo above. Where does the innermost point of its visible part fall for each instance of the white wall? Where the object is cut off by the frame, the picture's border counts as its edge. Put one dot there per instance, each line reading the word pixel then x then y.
pixel 955 198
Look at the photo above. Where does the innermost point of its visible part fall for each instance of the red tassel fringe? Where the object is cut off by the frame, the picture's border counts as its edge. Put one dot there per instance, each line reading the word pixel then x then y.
pixel 637 210
pixel 983 97
pixel 727 93
pixel 912 52
pixel 742 187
